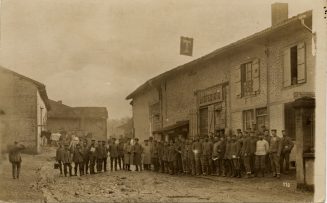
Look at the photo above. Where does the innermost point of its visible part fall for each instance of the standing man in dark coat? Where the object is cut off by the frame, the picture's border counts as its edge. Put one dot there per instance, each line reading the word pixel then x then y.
pixel 287 146
pixel 267 137
pixel 67 160
pixel 92 156
pixel 275 148
pixel 178 156
pixel 120 158
pixel 15 159
pixel 197 150
pixel 104 155
pixel 113 150
pixel 99 152
pixel 78 160
pixel 86 159
pixel 59 156
pixel 137 150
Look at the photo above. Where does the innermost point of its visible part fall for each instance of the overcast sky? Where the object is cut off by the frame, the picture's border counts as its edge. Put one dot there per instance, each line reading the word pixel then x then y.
pixel 96 52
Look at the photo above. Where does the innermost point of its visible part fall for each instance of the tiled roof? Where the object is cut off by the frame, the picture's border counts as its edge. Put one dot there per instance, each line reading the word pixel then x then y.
pixel 40 86
pixel 60 110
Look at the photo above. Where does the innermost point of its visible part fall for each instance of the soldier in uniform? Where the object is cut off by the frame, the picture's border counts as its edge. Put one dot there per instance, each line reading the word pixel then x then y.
pixel 214 157
pixel 137 150
pixel 245 153
pixel 160 156
pixel 113 150
pixel 121 154
pixel 154 155
pixel 171 157
pixel 104 155
pixel 190 158
pixel 227 158
pixel 235 152
pixel 99 152
pixel 146 155
pixel 253 143
pixel 184 150
pixel 59 156
pixel 287 146
pixel 178 168
pixel 165 157
pixel 15 159
pixel 267 137
pixel 210 161
pixel 92 156
pixel 197 150
pixel 127 155
pixel 240 138
pixel 78 160
pixel 221 149
pixel 275 148
pixel 67 161
pixel 206 154
pixel 86 158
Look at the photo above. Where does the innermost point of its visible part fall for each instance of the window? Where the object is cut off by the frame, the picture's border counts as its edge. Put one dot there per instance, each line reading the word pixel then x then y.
pixel 248 119
pixel 255 118
pixel 294 65
pixel 246 78
pixel 262 117
pixel 246 74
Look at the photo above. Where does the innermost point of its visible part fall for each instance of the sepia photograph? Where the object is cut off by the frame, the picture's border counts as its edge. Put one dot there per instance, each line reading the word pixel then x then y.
pixel 163 101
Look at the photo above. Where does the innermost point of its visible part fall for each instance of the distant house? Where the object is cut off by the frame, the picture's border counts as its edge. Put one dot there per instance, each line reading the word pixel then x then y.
pixel 23 110
pixel 81 120
pixel 127 129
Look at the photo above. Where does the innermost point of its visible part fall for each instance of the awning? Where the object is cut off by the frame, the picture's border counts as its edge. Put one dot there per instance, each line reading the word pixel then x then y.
pixel 180 125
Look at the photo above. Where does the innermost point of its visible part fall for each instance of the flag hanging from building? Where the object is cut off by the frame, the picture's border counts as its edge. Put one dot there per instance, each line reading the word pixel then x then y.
pixel 186 47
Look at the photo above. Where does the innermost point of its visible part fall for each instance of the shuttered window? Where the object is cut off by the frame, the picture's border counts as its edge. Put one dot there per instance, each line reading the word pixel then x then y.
pixel 250 78
pixel 294 65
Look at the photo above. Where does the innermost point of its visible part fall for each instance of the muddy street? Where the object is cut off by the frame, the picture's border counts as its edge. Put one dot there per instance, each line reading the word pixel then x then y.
pixel 40 182
pixel 147 186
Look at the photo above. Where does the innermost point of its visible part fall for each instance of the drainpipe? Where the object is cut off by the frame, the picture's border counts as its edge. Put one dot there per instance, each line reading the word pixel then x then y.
pixel 267 81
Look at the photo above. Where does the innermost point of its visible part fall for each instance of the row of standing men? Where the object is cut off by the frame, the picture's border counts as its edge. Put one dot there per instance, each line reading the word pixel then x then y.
pixel 245 153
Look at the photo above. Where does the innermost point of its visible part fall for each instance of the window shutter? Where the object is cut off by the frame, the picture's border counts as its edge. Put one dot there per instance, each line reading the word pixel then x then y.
pixel 287 67
pixel 236 77
pixel 301 70
pixel 256 75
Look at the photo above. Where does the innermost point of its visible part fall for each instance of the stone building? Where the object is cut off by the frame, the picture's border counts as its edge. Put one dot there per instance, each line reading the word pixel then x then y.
pixel 254 82
pixel 80 120
pixel 23 110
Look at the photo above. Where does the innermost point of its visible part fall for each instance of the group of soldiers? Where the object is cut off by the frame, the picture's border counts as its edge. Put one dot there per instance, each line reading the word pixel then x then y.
pixel 92 158
pixel 244 153
pixel 249 153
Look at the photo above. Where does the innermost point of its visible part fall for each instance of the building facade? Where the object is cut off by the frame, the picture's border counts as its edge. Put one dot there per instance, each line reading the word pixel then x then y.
pixel 80 120
pixel 23 110
pixel 253 83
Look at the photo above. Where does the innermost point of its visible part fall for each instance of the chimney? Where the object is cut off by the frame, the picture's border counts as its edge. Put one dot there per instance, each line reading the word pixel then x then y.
pixel 60 102
pixel 279 13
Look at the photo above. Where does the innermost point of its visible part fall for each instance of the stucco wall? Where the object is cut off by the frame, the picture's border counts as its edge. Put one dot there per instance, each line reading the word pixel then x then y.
pixel 141 112
pixel 179 98
pixel 18 103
